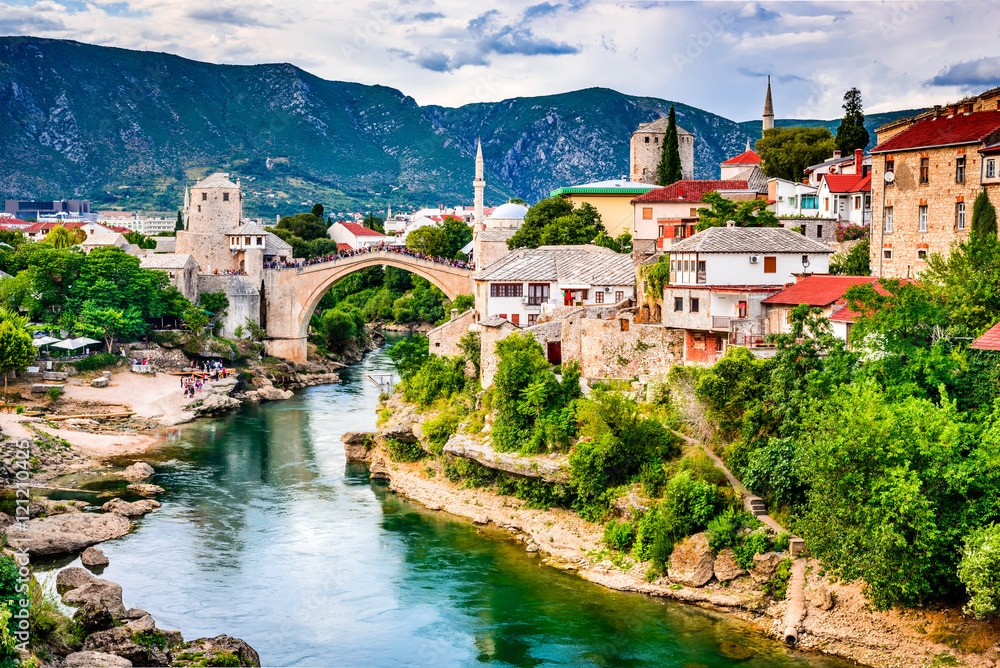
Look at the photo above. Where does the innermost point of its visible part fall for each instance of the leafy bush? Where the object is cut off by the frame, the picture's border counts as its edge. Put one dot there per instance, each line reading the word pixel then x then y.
pixel 402 451
pixel 438 429
pixel 758 542
pixel 437 377
pixel 619 535
pixel 409 354
pixel 97 361
pixel 725 529
pixel 979 571
pixel 777 586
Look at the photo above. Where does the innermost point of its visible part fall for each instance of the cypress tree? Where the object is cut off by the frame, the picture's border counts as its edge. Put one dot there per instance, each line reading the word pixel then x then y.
pixel 669 169
pixel 852 133
pixel 180 222
pixel 984 219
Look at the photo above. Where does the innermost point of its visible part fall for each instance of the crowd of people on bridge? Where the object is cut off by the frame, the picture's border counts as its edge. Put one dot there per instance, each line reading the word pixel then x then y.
pixel 379 248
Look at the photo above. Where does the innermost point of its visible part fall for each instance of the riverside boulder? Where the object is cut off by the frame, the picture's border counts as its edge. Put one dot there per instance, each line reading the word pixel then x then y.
pixel 93 557
pixel 91 659
pixel 691 562
pixel 72 532
pixel 130 508
pixel 725 567
pixel 204 651
pixel 139 471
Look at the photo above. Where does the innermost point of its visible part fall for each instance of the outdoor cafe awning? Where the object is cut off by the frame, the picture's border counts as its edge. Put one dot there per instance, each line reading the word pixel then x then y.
pixel 75 344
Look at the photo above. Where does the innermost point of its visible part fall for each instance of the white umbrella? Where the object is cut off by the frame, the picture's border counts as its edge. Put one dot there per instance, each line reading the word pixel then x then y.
pixel 44 341
pixel 83 340
pixel 69 344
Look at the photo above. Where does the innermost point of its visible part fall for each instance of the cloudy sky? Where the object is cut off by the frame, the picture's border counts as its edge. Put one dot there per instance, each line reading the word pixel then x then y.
pixel 713 55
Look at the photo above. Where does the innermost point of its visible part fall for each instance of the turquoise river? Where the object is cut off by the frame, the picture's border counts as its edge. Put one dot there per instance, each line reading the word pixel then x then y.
pixel 267 534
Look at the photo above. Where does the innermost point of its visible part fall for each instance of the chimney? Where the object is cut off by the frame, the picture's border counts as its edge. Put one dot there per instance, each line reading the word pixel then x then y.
pixel 680 192
pixel 858 158
pixel 836 154
pixel 968 108
pixel 937 110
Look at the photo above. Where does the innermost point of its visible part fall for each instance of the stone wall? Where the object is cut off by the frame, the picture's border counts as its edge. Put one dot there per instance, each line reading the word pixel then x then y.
pixel 488 337
pixel 243 296
pixel 907 245
pixel 646 148
pixel 612 349
pixel 443 340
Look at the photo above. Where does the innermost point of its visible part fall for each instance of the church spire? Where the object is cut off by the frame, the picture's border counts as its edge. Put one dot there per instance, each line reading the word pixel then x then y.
pixel 768 120
pixel 479 184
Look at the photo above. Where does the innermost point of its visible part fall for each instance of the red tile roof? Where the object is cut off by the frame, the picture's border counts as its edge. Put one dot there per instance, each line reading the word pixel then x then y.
pixel 848 183
pixel 689 191
pixel 344 247
pixel 360 230
pixel 945 131
pixel 818 290
pixel 990 340
pixel 844 314
pixel 748 157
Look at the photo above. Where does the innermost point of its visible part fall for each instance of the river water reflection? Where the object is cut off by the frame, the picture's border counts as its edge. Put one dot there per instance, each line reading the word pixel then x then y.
pixel 266 534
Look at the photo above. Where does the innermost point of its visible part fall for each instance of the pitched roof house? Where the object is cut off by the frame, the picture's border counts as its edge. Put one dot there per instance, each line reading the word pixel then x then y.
pixel 664 215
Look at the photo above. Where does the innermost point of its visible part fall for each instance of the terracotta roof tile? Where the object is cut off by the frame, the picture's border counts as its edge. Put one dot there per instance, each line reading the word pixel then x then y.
pixel 689 191
pixel 748 157
pixel 945 131
pixel 848 183
pixel 990 340
pixel 360 230
pixel 818 290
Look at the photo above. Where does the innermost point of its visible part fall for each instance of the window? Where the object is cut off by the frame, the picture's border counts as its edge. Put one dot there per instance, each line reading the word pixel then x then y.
pixel 960 169
pixel 925 170
pixel 246 240
pixel 656 140
pixel 960 215
pixel 991 168
pixel 619 295
pixel 695 304
pixel 647 213
pixel 659 231
pixel 599 297
pixel 516 318
pixel 922 254
pixel 887 216
pixel 890 166
pixel 678 304
pixel 204 196
pixel 506 289
pixel 922 218
pixel 225 197
pixel 673 265
pixel 532 319
pixel 857 202
pixel 647 139
pixel 819 231
pixel 741 310
pixel 701 265
pixel 199 208
pixel 770 264
pixel 538 293
pixel 887 253
pixel 810 202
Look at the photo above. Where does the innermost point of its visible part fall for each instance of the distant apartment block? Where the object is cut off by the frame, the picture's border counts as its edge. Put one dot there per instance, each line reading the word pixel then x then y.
pixel 73 209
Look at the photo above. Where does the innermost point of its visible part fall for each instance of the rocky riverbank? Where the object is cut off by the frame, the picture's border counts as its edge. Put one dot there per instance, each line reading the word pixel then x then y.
pixel 836 618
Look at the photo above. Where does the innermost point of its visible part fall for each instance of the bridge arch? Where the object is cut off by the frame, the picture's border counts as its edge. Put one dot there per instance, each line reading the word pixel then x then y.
pixel 334 274
pixel 292 294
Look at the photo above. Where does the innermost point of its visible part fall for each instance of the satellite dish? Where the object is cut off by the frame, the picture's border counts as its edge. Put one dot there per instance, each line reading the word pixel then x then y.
pixel 889 177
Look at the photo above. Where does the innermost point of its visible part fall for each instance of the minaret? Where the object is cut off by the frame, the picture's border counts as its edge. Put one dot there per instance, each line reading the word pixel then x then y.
pixel 479 184
pixel 768 120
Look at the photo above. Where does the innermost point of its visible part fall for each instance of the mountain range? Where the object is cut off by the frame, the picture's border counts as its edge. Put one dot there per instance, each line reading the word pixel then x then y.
pixel 131 129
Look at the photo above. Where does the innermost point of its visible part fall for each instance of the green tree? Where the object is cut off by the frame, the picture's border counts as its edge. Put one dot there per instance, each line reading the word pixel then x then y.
pixel 140 240
pixel 669 169
pixel 373 222
pixel 457 232
pixel 747 213
pixel 786 152
pixel 984 219
pixel 110 323
pixel 554 221
pixel 852 134
pixel 979 571
pixel 16 348
pixel 179 225
pixel 966 283
pixel 620 244
pixel 430 240
pixel 305 226
pixel 61 237
pixel 44 277
pixel 409 354
pixel 317 211
pixel 856 262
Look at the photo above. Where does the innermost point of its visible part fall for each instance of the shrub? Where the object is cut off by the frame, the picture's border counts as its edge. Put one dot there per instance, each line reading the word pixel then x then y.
pixel 755 543
pixel 777 586
pixel 437 430
pixel 437 377
pixel 781 542
pixel 402 451
pixel 979 571
pixel 619 535
pixel 725 530
pixel 97 361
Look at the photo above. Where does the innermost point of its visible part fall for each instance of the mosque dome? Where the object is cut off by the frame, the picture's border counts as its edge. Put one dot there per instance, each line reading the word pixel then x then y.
pixel 509 211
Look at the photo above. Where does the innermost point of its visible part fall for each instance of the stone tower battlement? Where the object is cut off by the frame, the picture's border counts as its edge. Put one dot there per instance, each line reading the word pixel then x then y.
pixel 646 148
pixel 212 208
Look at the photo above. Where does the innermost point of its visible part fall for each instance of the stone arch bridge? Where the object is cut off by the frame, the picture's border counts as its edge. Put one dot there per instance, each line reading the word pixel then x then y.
pixel 290 295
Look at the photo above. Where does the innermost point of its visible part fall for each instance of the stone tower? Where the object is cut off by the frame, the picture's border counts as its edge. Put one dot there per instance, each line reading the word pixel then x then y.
pixel 768 119
pixel 213 208
pixel 479 184
pixel 646 147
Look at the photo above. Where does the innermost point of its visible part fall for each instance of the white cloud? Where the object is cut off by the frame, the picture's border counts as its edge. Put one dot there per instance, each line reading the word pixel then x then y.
pixel 708 54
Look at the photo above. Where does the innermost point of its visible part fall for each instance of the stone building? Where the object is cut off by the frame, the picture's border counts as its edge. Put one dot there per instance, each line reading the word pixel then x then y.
pixel 939 162
pixel 646 149
pixel 182 270
pixel 212 208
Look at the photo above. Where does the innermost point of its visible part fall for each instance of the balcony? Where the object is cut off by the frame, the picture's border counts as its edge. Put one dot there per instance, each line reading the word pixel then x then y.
pixel 700 278
pixel 721 322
